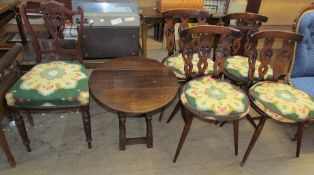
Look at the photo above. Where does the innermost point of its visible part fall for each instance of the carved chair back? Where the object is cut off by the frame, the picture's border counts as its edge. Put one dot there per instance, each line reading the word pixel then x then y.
pixel 54 15
pixel 282 57
pixel 247 23
pixel 211 37
pixel 184 17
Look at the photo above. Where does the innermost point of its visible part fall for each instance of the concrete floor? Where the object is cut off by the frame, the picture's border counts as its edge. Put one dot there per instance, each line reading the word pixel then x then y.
pixel 59 148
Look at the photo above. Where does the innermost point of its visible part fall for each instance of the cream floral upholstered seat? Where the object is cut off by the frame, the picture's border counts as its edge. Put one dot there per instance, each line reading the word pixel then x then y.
pixel 176 64
pixel 214 99
pixel 54 84
pixel 237 67
pixel 282 102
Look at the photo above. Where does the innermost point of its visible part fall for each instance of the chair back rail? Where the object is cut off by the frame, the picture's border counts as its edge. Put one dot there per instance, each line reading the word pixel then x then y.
pixel 54 15
pixel 282 57
pixel 211 37
pixel 247 23
pixel 184 17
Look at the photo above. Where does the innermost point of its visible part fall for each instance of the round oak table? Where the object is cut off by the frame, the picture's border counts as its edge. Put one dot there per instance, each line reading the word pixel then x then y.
pixel 133 86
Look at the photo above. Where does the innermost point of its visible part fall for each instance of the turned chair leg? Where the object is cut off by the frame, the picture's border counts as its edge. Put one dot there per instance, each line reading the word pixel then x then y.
pixel 185 132
pixel 19 121
pixel 161 114
pixel 87 126
pixel 299 138
pixel 256 134
pixel 6 149
pixel 236 136
pixel 174 112
pixel 122 132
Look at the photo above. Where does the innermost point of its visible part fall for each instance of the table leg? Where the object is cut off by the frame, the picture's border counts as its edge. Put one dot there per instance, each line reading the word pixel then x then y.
pixel 149 131
pixel 144 30
pixel 122 133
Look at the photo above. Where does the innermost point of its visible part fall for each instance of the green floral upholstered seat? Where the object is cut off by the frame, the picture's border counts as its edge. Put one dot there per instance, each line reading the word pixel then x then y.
pixel 54 84
pixel 176 64
pixel 214 99
pixel 282 102
pixel 237 67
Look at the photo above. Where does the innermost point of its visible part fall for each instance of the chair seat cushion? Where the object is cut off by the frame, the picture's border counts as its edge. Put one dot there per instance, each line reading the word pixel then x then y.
pixel 214 99
pixel 305 84
pixel 237 67
pixel 49 85
pixel 176 64
pixel 282 102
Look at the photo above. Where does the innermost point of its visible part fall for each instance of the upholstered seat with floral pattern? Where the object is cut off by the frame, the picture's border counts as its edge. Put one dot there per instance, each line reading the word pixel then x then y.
pixel 282 102
pixel 54 84
pixel 214 99
pixel 176 64
pixel 237 67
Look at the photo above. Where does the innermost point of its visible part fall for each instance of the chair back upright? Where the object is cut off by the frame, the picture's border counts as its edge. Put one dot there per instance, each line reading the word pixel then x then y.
pixel 304 54
pixel 247 23
pixel 54 15
pixel 282 57
pixel 212 38
pixel 186 18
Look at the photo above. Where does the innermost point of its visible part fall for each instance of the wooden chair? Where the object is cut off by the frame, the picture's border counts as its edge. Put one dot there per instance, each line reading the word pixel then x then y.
pixel 52 86
pixel 207 97
pixel 187 19
pixel 9 73
pixel 237 65
pixel 272 98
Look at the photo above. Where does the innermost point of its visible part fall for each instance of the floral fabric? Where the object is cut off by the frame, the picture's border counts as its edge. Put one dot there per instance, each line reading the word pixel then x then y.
pixel 176 64
pixel 237 67
pixel 283 102
pixel 53 84
pixel 213 98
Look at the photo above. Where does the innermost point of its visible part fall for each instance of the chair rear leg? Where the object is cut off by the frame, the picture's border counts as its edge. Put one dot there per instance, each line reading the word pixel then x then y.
pixel 236 136
pixel 256 134
pixel 299 138
pixel 185 132
pixel 161 114
pixel 19 121
pixel 87 125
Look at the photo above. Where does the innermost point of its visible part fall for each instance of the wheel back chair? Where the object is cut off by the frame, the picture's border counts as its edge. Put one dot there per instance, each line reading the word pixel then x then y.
pixel 207 97
pixel 274 98
pixel 187 19
pixel 302 76
pixel 9 73
pixel 56 85
pixel 236 66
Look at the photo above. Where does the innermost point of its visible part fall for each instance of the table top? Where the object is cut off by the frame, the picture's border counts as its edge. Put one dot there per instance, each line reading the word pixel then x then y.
pixel 7 4
pixel 133 85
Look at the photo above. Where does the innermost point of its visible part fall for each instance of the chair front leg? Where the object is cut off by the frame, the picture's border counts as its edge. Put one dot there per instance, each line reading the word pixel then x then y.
pixel 299 138
pixel 87 125
pixel 256 134
pixel 6 149
pixel 236 136
pixel 19 121
pixel 186 129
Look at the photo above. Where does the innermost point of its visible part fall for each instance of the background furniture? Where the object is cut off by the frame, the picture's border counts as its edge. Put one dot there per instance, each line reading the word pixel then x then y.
pixel 133 87
pixel 9 73
pixel 8 11
pixel 52 86
pixel 272 98
pixel 302 76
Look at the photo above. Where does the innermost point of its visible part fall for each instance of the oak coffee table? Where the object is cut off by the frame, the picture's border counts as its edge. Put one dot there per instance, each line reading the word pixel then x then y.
pixel 133 86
